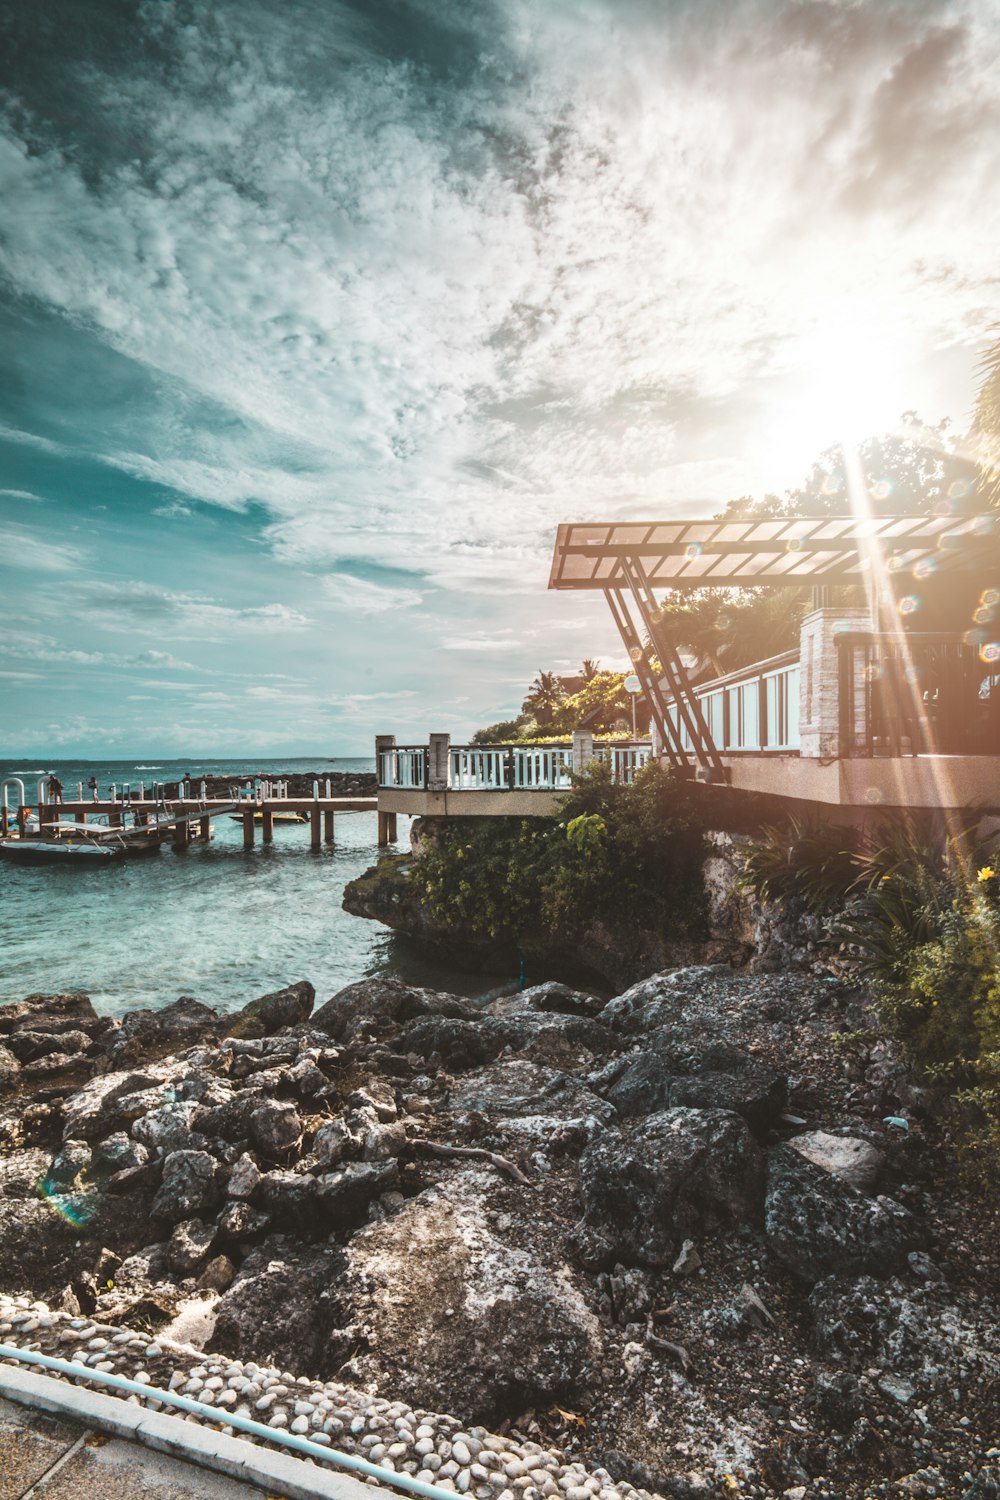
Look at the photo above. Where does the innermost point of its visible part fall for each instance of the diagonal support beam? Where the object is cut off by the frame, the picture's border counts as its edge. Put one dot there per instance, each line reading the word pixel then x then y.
pixel 640 658
pixel 674 671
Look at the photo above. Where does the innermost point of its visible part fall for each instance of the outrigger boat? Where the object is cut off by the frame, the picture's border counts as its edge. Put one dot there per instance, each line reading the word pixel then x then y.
pixel 59 852
pixel 278 817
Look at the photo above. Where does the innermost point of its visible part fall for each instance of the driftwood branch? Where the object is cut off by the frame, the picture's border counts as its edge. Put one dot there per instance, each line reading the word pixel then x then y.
pixel 476 1153
pixel 664 1346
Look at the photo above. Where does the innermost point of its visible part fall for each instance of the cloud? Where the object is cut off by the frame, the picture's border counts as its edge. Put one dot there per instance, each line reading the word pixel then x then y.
pixel 33 552
pixel 361 596
pixel 21 495
pixel 149 608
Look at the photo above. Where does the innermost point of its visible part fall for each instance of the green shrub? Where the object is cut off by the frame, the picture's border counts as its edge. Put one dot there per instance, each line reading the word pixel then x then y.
pixel 804 860
pixel 611 854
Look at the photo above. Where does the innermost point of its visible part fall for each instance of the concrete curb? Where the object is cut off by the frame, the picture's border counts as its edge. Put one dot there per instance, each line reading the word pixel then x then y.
pixel 276 1473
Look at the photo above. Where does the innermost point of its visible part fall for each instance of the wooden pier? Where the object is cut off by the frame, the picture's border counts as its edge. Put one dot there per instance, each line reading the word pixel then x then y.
pixel 190 818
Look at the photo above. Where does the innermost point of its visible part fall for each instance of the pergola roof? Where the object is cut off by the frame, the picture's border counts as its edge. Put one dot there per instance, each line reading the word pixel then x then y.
pixel 779 550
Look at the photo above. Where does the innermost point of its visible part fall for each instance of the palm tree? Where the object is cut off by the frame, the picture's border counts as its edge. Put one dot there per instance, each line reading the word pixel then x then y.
pixel 589 669
pixel 544 697
pixel 987 425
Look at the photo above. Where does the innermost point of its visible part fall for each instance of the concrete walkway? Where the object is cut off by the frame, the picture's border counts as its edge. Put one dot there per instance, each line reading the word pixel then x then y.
pixel 61 1442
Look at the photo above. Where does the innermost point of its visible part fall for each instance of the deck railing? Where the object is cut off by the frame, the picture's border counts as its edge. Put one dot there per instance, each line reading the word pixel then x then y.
pixel 917 694
pixel 754 710
pixel 504 768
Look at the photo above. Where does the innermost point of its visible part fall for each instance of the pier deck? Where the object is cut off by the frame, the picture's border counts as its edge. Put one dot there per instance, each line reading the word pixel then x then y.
pixel 190 816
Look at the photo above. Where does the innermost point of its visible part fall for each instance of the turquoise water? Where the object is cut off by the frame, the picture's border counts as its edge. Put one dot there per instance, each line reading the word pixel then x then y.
pixel 212 921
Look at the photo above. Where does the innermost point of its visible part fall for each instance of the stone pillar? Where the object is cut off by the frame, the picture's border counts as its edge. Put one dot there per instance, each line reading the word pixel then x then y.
pixel 439 763
pixel 583 749
pixel 819 678
pixel 382 742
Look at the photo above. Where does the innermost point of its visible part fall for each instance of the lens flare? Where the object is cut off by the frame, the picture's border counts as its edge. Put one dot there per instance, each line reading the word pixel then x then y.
pixel 984 614
pixel 925 567
pixel 990 651
pixel 694 549
pixel 77 1209
pixel 909 604
pixel 990 597
pixel 882 490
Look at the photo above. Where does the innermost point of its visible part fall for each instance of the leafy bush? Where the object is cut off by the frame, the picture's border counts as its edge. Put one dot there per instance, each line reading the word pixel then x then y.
pixel 611 854
pixel 808 861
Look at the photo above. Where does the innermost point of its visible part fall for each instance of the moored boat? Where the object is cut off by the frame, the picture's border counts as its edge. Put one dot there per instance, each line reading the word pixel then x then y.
pixel 58 852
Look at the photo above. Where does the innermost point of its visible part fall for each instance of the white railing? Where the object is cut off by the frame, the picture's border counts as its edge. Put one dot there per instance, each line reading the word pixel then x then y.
pixel 503 768
pixel 626 760
pixel 753 711
pixel 538 768
pixel 405 767
pixel 474 770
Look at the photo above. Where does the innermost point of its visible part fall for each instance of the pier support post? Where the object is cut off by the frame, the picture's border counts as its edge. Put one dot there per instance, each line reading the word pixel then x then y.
pixel 328 827
pixel 81 817
pixel 182 835
pixel 115 818
pixel 386 828
pixel 267 824
pixel 315 827
pixel 248 828
pixel 205 827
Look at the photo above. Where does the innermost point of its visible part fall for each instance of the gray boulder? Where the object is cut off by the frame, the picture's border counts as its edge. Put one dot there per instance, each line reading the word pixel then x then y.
pixel 170 1127
pixel 343 1196
pixel 72 1158
pixel 113 1101
pixel 10 1069
pixel 855 1161
pixel 190 1184
pixel 275 1128
pixel 29 1046
pixel 288 1198
pixel 517 1089
pixel 171 1027
pixel 287 1007
pixel 189 1243
pixel 675 1175
pixel 818 1226
pixel 441 1311
pixel 279 1308
pixel 49 1013
pixel 119 1152
pixel 375 1006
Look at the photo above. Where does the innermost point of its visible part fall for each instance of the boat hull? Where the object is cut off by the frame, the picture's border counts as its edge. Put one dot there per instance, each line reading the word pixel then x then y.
pixel 40 852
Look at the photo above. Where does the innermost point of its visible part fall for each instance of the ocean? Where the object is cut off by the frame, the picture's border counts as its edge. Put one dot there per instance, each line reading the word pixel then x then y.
pixel 213 921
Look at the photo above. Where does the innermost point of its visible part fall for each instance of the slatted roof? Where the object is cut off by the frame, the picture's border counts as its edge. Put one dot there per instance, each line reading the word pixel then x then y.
pixel 781 549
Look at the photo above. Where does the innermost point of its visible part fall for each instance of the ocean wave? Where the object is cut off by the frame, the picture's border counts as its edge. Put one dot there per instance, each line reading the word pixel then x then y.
pixel 147 768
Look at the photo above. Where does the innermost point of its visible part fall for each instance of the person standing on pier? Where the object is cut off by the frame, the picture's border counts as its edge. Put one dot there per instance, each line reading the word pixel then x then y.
pixel 92 784
pixel 55 789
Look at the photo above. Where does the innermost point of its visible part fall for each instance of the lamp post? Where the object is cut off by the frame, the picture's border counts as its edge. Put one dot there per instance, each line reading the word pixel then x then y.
pixel 633 687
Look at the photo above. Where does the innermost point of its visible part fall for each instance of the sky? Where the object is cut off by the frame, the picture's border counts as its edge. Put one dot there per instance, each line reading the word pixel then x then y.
pixel 317 317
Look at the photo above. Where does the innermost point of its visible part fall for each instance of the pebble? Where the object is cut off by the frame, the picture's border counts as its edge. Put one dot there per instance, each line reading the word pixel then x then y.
pixel 437 1450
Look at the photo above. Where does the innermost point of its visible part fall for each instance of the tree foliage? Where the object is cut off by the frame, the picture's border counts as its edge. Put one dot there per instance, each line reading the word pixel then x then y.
pixel 611 854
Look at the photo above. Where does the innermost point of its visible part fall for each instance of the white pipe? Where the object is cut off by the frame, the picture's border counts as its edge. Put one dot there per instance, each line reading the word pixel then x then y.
pixel 216 1414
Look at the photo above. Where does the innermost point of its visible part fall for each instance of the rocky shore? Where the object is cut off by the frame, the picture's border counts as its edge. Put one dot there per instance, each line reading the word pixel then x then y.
pixel 700 1239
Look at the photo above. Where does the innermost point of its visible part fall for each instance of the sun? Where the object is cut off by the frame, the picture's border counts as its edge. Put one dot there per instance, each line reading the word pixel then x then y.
pixel 845 379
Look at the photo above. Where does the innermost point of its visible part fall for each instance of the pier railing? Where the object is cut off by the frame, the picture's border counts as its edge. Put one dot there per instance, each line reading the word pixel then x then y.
pixel 503 768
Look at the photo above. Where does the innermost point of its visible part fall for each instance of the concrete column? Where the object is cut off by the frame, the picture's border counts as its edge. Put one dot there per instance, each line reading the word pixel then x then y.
pixel 328 827
pixel 439 763
pixel 248 828
pixel 583 749
pixel 315 827
pixel 819 678
pixel 386 828
pixel 267 824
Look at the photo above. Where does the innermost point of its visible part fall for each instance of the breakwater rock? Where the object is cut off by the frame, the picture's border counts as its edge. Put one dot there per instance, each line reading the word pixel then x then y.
pixel 668 1237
